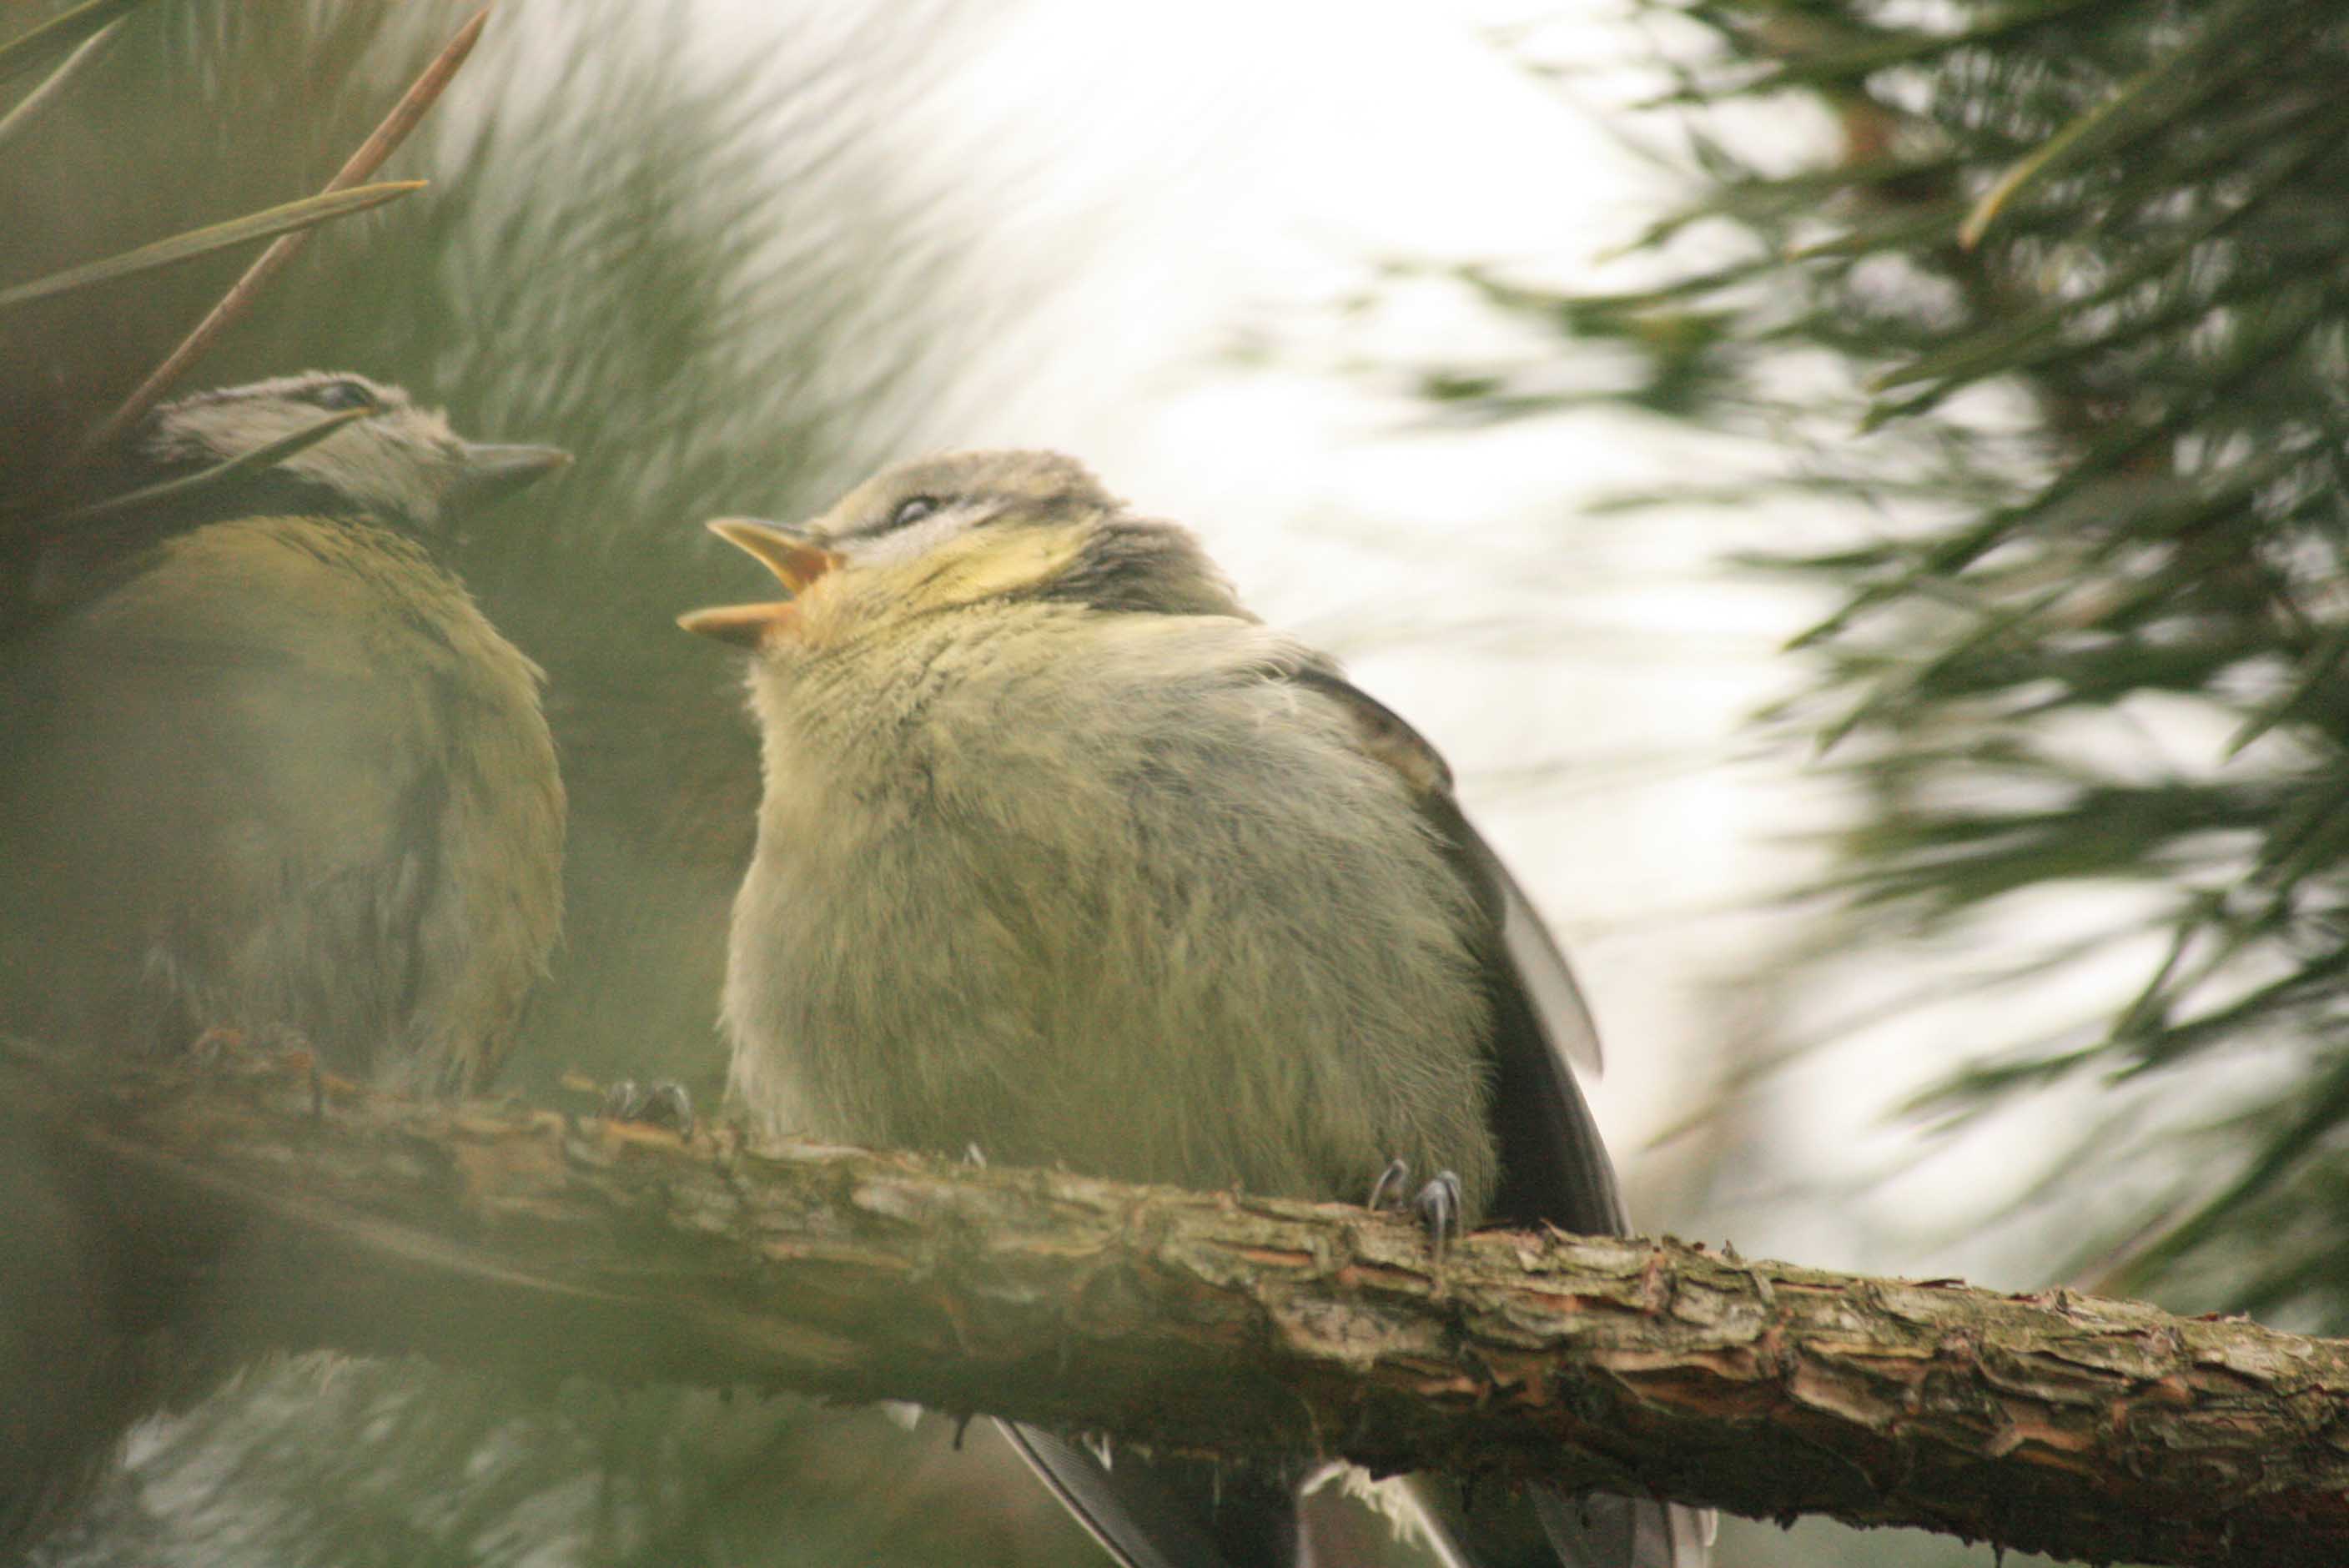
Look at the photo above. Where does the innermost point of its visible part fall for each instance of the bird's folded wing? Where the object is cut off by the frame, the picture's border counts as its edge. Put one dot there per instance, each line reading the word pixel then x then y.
pixel 1555 1168
pixel 1540 965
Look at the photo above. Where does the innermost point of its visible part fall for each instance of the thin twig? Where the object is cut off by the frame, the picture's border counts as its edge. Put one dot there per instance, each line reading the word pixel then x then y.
pixel 239 299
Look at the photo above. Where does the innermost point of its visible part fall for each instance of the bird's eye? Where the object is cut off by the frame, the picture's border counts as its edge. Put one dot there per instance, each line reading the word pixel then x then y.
pixel 340 395
pixel 912 510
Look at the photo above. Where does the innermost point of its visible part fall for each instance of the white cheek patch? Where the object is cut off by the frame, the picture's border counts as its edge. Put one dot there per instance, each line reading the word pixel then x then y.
pixel 907 543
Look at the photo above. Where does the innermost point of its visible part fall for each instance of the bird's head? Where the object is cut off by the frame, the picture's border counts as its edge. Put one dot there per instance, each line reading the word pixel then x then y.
pixel 961 530
pixel 399 462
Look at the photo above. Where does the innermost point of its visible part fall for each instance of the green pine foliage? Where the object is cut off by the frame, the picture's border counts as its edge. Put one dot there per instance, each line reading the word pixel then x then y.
pixel 2063 314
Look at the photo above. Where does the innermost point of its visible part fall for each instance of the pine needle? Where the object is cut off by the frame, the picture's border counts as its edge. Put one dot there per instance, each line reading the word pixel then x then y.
pixel 2142 99
pixel 188 487
pixel 288 221
pixel 30 107
pixel 60 35
pixel 419 97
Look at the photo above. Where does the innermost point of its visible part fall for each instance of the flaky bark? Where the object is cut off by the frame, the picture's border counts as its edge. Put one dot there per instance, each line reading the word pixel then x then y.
pixel 278 1214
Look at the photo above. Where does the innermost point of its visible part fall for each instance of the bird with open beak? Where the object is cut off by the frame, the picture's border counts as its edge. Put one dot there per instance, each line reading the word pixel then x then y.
pixel 1065 857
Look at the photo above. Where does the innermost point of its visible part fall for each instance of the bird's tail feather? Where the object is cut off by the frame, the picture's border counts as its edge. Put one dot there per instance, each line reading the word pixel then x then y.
pixel 1541 1528
pixel 1163 1514
pixel 1598 1530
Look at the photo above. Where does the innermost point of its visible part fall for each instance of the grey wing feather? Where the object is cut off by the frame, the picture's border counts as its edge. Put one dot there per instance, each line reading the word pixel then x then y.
pixel 1136 1520
pixel 1555 1167
pixel 1596 1530
pixel 1543 1527
pixel 1541 965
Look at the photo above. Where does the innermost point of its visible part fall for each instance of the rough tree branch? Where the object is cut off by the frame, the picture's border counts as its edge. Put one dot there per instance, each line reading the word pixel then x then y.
pixel 499 1237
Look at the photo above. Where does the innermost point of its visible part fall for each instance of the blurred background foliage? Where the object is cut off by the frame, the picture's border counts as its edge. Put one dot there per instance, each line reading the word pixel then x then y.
pixel 2062 320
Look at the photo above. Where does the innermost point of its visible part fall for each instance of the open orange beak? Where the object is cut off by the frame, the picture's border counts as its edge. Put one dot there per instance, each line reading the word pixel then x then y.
pixel 794 561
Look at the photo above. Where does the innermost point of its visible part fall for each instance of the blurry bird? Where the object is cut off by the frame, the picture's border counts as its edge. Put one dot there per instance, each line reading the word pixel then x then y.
pixel 263 767
pixel 274 769
pixel 1065 857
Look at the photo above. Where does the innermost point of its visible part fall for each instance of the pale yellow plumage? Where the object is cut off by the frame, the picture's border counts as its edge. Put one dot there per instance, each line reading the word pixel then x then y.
pixel 1066 858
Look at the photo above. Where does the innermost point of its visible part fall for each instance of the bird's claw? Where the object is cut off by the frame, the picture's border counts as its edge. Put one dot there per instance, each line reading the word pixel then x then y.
pixel 1438 1203
pixel 661 1103
pixel 1438 1206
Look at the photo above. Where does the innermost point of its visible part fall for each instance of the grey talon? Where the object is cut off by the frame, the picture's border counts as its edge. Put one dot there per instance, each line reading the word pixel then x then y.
pixel 1438 1205
pixel 663 1103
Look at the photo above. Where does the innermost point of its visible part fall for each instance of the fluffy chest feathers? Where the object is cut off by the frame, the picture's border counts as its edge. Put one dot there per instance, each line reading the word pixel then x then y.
pixel 1060 884
pixel 997 712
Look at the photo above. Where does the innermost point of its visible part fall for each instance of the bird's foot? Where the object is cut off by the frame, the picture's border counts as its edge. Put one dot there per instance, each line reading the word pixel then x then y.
pixel 664 1102
pixel 1438 1203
